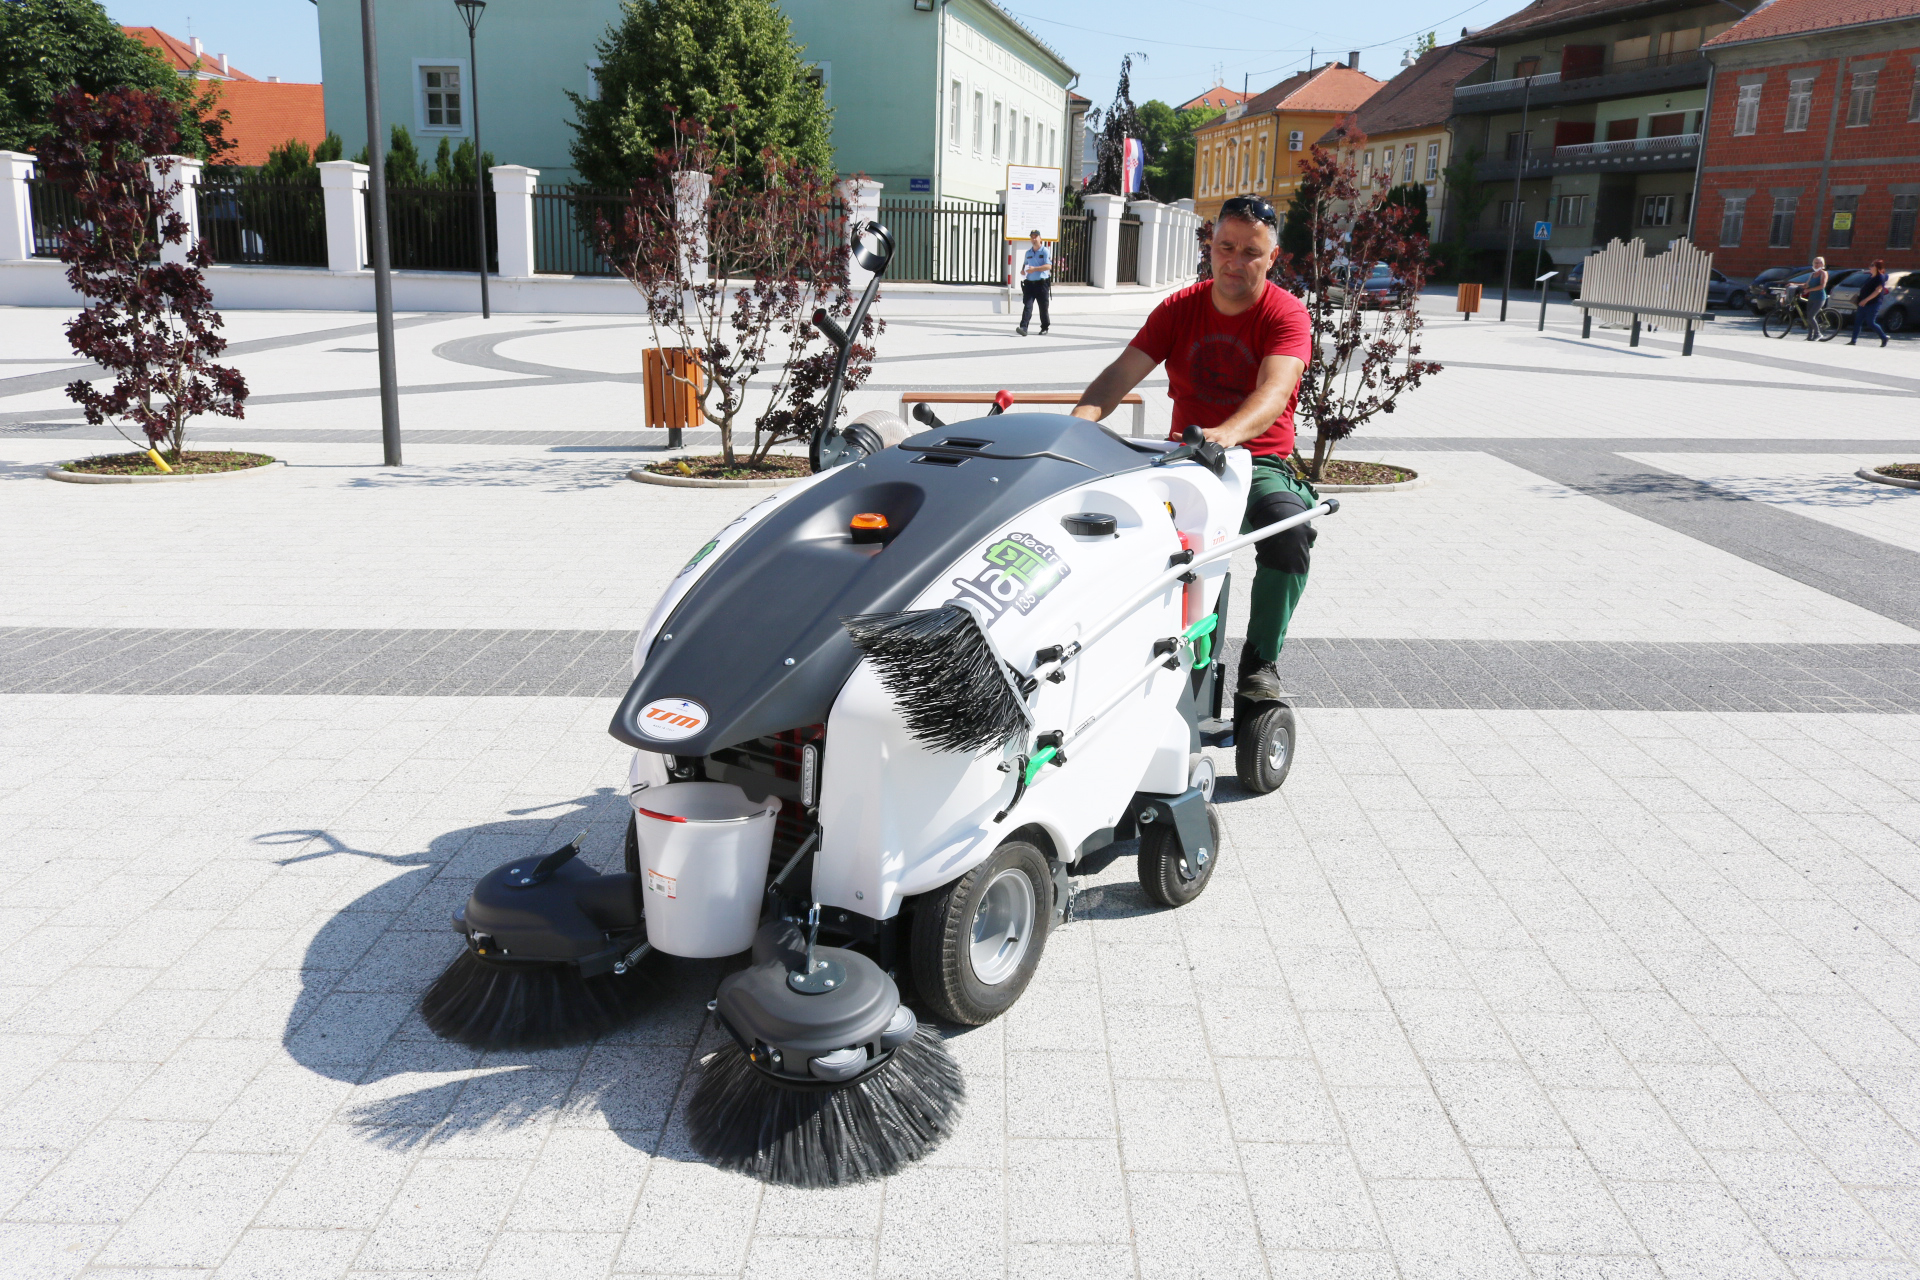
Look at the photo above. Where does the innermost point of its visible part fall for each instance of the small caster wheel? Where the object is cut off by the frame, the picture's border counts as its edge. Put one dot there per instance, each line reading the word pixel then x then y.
pixel 1263 748
pixel 1167 875
pixel 977 941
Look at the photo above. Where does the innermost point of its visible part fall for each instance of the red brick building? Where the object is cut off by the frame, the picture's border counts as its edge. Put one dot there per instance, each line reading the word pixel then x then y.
pixel 1813 137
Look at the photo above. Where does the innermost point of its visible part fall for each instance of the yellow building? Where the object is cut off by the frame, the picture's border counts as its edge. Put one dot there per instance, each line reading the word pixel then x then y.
pixel 1399 135
pixel 1256 148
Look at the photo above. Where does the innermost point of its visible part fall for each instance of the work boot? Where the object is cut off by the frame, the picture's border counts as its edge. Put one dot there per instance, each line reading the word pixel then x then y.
pixel 1258 681
pixel 1021 330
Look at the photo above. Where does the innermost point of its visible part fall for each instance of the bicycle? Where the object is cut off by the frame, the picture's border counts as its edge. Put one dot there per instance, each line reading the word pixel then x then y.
pixel 1793 312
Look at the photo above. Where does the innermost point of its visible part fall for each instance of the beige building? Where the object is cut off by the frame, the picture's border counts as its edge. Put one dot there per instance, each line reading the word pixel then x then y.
pixel 1256 147
pixel 1399 135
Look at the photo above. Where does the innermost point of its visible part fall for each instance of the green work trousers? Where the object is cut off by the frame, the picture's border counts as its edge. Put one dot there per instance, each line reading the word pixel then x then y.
pixel 1280 578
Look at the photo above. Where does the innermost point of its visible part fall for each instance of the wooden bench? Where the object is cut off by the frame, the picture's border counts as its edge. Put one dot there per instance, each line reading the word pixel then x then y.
pixel 1020 399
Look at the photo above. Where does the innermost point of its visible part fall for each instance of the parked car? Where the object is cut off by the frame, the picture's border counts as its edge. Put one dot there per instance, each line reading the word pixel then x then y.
pixel 1379 287
pixel 1899 309
pixel 1760 297
pixel 1570 279
pixel 1726 291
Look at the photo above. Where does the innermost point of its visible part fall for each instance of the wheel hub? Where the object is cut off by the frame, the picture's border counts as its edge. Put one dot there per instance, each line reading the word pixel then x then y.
pixel 1002 927
pixel 1277 752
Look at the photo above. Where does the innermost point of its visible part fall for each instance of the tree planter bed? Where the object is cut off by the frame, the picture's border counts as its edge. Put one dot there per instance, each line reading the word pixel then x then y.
pixel 133 468
pixel 1910 480
pixel 1367 477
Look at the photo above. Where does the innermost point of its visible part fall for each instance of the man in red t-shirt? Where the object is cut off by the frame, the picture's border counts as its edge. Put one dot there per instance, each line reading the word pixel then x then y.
pixel 1235 347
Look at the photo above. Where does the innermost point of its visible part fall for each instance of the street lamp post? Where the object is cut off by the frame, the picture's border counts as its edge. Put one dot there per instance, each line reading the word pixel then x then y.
pixel 377 243
pixel 470 13
pixel 1519 168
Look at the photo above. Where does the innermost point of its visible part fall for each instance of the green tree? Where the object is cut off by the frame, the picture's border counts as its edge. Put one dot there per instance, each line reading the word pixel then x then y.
pixel 1169 142
pixel 50 45
pixel 292 162
pixel 1410 195
pixel 1296 229
pixel 732 64
pixel 451 167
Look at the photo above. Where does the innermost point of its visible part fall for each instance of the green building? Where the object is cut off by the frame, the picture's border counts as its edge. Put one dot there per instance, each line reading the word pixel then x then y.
pixel 930 97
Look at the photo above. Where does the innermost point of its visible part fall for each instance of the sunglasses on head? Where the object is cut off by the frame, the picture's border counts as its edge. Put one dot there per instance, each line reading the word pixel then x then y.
pixel 1250 207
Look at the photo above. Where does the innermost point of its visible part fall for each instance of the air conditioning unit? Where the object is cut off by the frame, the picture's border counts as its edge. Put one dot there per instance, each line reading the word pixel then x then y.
pixel 1295 140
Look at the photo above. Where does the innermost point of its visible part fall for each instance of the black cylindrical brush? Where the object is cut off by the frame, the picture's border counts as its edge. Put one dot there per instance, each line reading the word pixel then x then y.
pixel 819 1135
pixel 953 690
pixel 529 1005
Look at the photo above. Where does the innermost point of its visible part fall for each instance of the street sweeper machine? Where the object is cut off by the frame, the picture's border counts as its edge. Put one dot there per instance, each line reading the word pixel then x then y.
pixel 877 722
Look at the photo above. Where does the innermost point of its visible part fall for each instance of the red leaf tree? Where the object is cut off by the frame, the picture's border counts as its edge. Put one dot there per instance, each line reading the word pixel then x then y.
pixel 150 323
pixel 735 267
pixel 1366 348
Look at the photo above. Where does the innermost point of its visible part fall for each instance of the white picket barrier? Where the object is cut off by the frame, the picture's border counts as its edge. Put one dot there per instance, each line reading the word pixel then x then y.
pixel 1655 292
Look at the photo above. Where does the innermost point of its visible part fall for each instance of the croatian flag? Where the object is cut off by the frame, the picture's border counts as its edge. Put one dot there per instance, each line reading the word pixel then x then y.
pixel 1133 166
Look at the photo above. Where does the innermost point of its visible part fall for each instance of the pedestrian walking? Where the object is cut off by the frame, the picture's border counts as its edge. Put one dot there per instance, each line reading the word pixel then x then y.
pixel 1815 292
pixel 1867 310
pixel 1036 282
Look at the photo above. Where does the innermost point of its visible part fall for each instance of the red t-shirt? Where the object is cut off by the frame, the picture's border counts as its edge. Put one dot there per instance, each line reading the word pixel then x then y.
pixel 1213 360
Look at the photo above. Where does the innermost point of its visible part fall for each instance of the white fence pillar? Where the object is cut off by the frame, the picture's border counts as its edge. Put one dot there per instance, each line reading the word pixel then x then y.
pixel 180 181
pixel 862 199
pixel 1103 271
pixel 513 217
pixel 342 184
pixel 690 190
pixel 1151 272
pixel 16 211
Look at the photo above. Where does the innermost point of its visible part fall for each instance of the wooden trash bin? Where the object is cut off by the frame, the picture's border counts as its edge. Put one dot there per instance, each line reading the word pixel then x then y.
pixel 674 379
pixel 1468 301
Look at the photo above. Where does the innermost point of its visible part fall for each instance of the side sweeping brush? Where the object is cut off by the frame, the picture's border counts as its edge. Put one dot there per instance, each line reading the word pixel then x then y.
pixel 528 1005
pixel 818 1135
pixel 954 690
pixel 551 949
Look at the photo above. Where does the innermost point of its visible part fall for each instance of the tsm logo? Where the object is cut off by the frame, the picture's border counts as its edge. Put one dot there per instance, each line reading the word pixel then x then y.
pixel 671 719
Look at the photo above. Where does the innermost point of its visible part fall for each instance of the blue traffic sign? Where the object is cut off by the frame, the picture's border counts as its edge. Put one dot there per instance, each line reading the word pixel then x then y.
pixel 1543 231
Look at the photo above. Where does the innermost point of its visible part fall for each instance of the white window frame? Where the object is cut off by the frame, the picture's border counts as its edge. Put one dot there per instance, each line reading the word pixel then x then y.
pixel 1572 211
pixel 1733 221
pixel 1026 139
pixel 999 123
pixel 953 115
pixel 1656 211
pixel 1433 161
pixel 1366 165
pixel 1746 111
pixel 1406 171
pixel 1799 103
pixel 979 124
pixel 1787 208
pixel 1233 163
pixel 420 126
pixel 1860 98
pixel 1904 211
pixel 1913 99
pixel 1260 178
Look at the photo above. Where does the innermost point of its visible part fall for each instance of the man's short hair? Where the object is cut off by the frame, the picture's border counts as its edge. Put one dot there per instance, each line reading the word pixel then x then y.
pixel 1035 233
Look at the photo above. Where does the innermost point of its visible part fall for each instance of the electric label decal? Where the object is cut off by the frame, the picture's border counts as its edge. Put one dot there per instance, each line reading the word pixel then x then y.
pixel 1019 572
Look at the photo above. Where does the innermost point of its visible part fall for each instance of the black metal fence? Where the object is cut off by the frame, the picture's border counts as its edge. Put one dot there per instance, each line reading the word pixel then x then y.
pixel 277 224
pixel 563 229
pixel 1073 256
pixel 53 210
pixel 432 229
pixel 1129 267
pixel 954 242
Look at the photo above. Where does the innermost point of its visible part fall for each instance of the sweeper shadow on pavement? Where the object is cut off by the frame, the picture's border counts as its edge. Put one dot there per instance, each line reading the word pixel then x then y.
pixel 357 1018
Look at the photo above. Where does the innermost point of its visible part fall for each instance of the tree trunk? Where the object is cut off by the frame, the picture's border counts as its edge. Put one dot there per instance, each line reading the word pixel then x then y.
pixel 1322 451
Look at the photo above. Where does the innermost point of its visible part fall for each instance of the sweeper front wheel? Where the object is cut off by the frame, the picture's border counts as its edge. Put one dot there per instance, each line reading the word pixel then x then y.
pixel 1166 874
pixel 1263 748
pixel 977 942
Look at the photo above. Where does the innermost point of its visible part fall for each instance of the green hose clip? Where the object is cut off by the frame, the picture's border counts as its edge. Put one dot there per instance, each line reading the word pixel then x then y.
pixel 1037 763
pixel 1200 636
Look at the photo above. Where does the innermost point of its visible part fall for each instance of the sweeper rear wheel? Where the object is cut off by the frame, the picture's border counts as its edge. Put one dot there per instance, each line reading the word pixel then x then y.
pixel 1263 748
pixel 1165 873
pixel 977 942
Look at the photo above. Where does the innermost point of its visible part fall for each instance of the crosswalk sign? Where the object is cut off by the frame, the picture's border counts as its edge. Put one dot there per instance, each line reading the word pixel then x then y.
pixel 1543 231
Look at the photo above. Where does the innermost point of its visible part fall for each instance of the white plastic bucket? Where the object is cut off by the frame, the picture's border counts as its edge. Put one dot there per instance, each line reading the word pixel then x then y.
pixel 703 866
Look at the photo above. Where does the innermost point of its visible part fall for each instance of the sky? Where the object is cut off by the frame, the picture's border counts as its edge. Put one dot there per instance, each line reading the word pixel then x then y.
pixel 1187 43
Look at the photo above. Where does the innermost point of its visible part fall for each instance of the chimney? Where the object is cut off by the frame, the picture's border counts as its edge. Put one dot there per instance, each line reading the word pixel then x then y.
pixel 223 66
pixel 273 79
pixel 196 48
pixel 1353 60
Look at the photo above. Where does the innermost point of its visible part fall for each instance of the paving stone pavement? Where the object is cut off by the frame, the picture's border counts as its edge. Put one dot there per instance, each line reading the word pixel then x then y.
pixel 1603 965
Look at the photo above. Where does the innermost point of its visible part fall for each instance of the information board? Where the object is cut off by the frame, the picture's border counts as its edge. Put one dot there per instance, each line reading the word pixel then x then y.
pixel 1033 201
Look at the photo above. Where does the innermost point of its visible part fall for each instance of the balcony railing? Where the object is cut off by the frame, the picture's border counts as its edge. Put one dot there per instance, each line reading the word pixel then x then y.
pixel 1627 146
pixel 1498 86
pixel 1679 58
